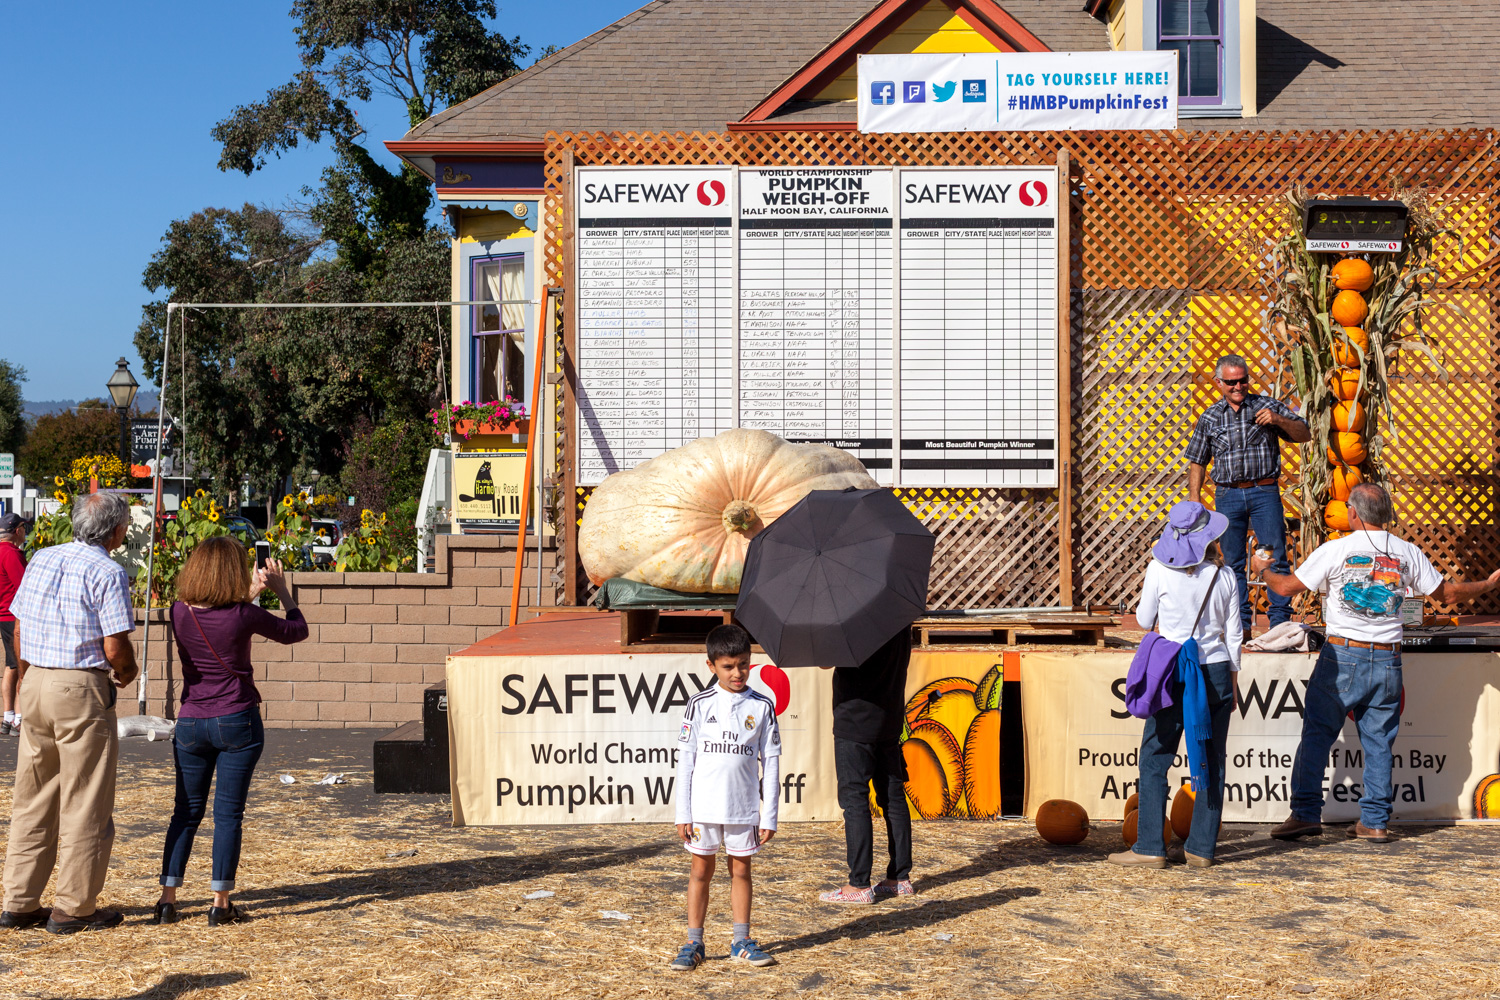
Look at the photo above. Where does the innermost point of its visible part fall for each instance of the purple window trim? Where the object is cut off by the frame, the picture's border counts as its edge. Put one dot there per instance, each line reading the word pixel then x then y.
pixel 1184 100
pixel 475 264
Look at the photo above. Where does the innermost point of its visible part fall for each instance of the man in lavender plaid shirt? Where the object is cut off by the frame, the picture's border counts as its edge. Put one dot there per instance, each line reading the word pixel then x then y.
pixel 75 618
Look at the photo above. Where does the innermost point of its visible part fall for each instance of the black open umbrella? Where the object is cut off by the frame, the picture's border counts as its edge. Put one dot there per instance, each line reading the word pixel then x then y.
pixel 832 579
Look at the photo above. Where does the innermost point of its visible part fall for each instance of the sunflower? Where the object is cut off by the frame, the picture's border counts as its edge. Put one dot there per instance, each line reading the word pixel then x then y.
pixel 213 515
pixel 60 496
pixel 287 500
pixel 59 480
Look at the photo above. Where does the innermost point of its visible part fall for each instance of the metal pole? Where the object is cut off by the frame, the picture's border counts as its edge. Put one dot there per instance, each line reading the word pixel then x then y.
pixel 166 342
pixel 124 438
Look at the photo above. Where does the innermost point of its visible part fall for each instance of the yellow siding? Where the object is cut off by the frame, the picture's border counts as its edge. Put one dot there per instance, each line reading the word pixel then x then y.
pixel 477 226
pixel 1247 59
pixel 1117 25
pixel 934 28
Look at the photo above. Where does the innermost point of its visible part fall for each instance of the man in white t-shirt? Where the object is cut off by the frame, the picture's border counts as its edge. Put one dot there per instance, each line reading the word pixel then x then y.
pixel 1364 576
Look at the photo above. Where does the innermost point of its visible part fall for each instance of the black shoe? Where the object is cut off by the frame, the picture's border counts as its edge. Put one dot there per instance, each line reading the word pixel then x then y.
pixel 165 913
pixel 20 921
pixel 218 915
pixel 96 921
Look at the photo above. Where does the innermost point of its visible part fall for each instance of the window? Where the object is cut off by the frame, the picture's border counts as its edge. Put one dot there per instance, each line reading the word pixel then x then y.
pixel 499 330
pixel 1195 28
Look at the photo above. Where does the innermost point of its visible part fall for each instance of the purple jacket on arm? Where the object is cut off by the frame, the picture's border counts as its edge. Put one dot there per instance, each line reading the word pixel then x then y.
pixel 1148 688
pixel 223 684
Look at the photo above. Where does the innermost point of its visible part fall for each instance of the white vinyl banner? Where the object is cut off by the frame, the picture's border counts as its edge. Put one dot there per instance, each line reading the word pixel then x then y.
pixel 593 738
pixel 1031 91
pixel 1082 745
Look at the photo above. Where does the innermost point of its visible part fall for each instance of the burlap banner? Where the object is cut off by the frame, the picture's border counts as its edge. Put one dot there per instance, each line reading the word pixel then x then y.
pixel 1082 745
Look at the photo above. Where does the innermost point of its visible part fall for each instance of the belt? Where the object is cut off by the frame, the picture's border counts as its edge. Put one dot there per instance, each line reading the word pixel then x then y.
pixel 1245 484
pixel 1389 647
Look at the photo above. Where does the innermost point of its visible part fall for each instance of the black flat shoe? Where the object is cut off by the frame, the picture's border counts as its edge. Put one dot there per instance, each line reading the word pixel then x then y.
pixel 165 913
pixel 224 915
pixel 20 921
pixel 99 920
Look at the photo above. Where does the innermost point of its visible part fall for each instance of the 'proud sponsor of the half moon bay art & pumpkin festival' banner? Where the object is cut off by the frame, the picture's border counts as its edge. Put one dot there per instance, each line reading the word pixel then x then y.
pixel 1081 744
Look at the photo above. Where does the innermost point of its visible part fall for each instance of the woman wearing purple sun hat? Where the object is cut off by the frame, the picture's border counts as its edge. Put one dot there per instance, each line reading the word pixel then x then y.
pixel 1188 594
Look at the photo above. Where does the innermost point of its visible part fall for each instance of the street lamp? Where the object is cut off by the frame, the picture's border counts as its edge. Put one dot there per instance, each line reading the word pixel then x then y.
pixel 122 387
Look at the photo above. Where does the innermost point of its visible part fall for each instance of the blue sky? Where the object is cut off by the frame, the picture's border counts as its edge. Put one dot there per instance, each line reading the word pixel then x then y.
pixel 107 142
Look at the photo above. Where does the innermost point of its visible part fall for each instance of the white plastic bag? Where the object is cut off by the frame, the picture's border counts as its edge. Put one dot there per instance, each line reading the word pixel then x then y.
pixel 149 726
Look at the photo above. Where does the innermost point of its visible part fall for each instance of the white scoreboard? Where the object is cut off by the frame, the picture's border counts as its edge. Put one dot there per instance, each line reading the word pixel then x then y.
pixel 908 316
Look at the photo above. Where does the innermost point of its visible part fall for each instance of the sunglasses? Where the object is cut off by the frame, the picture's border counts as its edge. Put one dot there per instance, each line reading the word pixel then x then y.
pixel 1235 381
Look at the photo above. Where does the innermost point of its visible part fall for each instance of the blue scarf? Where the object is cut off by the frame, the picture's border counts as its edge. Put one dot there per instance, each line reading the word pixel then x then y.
pixel 1197 723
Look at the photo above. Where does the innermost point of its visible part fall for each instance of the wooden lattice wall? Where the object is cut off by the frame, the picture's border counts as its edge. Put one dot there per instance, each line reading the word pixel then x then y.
pixel 1169 235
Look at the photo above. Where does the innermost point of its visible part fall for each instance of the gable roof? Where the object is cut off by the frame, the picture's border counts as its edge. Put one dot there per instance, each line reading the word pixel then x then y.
pixel 686 65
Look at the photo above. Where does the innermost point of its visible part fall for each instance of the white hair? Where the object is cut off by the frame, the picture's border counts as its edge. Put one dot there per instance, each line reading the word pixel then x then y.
pixel 97 515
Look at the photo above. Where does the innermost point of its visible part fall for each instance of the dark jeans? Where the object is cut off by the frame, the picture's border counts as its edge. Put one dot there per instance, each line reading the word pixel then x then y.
pixel 857 765
pixel 1366 682
pixel 1257 507
pixel 1158 749
pixel 230 745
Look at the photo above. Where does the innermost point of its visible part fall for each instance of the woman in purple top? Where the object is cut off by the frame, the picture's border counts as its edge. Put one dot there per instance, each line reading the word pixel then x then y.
pixel 218 725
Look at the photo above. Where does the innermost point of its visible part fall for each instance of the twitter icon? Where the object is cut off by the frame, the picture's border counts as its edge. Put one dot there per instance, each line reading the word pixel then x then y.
pixel 943 91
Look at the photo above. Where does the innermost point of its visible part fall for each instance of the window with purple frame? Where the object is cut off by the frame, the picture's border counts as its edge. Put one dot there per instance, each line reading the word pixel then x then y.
pixel 499 329
pixel 1195 28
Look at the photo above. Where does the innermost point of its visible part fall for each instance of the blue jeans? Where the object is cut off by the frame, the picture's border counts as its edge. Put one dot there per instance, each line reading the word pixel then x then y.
pixel 1366 682
pixel 230 744
pixel 1257 507
pixel 1158 749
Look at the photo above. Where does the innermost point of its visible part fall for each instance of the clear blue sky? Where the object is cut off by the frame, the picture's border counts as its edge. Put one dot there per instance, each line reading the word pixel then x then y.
pixel 107 142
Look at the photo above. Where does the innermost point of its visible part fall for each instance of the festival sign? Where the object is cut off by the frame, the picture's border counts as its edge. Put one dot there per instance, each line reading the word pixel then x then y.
pixel 487 489
pixel 594 738
pixel 1017 91
pixel 1082 745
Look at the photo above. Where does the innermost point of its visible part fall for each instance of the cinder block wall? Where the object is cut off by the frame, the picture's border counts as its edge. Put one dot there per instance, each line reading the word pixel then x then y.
pixel 377 639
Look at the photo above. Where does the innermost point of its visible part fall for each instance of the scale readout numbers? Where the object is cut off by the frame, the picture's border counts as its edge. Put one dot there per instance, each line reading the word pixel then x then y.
pixel 979 327
pixel 655 327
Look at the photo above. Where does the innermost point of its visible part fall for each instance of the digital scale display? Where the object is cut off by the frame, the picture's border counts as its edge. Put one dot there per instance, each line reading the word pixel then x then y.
pixel 1360 225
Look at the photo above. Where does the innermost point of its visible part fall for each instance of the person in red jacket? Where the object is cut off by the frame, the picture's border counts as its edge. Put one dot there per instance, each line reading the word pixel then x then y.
pixel 12 566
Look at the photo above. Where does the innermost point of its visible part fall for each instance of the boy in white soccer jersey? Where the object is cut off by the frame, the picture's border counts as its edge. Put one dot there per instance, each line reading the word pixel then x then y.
pixel 728 784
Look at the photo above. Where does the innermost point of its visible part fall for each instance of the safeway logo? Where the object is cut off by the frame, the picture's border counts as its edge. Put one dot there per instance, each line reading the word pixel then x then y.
pixel 711 193
pixel 1033 193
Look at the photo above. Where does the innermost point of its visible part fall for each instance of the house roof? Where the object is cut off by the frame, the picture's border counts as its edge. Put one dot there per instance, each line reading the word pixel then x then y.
pixel 686 65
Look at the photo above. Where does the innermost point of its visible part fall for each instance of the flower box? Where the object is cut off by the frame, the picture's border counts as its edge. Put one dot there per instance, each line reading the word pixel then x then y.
pixel 470 428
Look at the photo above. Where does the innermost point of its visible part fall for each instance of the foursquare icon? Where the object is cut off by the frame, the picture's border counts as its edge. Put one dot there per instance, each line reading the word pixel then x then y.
pixel 883 92
pixel 973 91
pixel 916 92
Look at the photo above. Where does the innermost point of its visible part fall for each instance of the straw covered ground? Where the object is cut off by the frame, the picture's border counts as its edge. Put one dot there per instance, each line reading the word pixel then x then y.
pixel 341 907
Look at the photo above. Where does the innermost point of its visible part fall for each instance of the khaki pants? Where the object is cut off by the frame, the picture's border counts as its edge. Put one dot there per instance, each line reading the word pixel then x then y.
pixel 63 811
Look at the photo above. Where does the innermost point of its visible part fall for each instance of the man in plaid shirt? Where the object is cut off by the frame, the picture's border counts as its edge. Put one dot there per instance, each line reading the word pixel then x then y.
pixel 75 623
pixel 1241 435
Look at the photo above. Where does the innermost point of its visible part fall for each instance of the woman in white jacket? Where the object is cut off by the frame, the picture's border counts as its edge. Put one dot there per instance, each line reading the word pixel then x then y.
pixel 1188 593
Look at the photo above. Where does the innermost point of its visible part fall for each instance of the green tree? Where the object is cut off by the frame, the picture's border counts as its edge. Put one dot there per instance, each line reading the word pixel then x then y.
pixel 426 54
pixel 12 417
pixel 56 439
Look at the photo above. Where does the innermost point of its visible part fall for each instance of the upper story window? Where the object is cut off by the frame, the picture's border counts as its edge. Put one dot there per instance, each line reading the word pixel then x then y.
pixel 499 329
pixel 1195 28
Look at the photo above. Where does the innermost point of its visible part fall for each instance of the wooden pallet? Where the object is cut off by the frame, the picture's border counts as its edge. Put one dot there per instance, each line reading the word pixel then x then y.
pixel 1008 628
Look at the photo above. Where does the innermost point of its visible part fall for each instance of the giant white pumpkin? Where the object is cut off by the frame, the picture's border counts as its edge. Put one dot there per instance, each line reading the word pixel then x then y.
pixel 683 520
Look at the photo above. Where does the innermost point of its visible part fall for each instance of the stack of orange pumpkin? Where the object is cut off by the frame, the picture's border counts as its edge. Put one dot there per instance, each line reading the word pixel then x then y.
pixel 1346 449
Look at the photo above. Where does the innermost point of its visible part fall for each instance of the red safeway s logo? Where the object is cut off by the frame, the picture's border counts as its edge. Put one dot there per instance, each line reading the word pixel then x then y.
pixel 772 681
pixel 711 193
pixel 1033 193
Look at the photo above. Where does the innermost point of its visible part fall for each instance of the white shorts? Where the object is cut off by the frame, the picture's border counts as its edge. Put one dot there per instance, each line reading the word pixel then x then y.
pixel 740 840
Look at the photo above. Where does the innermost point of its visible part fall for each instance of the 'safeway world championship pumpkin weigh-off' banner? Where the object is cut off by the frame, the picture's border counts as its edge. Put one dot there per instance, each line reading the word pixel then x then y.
pixel 593 738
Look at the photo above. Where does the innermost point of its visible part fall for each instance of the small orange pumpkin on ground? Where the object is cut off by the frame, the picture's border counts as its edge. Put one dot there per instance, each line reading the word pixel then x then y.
pixel 1347 447
pixel 1349 308
pixel 1349 415
pixel 1345 383
pixel 1354 274
pixel 1336 515
pixel 1341 479
pixel 1133 803
pixel 1128 831
pixel 1059 821
pixel 1182 811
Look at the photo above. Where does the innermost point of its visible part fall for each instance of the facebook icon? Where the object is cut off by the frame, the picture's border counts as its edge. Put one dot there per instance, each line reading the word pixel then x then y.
pixel 883 92
pixel 973 91
pixel 916 92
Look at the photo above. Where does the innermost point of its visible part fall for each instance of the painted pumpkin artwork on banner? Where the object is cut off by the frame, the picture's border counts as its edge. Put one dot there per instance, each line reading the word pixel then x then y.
pixel 951 741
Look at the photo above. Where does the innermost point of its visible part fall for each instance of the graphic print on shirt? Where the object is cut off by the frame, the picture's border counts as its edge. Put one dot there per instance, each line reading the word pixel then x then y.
pixel 1371 585
pixel 724 786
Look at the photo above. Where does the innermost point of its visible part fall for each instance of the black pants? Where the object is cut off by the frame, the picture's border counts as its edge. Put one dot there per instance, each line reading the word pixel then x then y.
pixel 857 765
